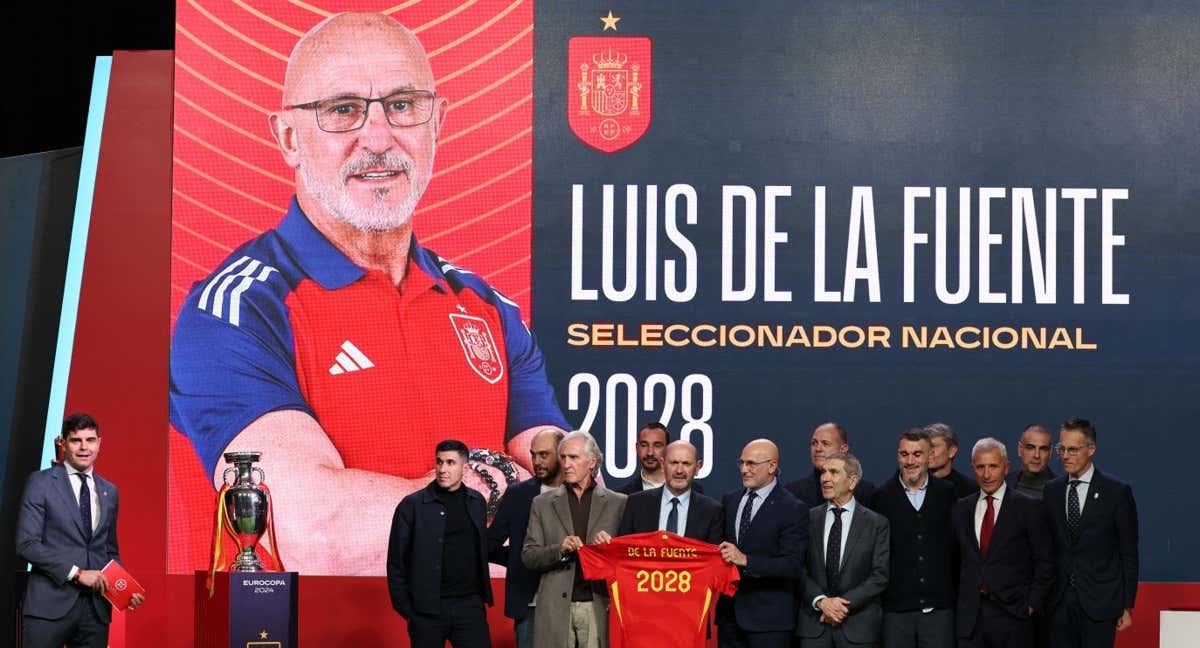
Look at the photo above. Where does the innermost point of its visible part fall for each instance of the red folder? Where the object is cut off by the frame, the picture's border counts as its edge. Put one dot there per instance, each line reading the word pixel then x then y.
pixel 121 585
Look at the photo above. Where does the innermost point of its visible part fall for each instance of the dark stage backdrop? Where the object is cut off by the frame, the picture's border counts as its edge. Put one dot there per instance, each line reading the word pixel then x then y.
pixel 990 210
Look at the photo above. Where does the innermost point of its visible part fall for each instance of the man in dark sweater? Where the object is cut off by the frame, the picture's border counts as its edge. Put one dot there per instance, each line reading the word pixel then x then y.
pixel 436 566
pixel 918 606
pixel 941 459
pixel 1035 452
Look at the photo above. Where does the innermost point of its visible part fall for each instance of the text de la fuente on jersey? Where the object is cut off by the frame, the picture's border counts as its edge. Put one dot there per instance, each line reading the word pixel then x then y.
pixel 648 235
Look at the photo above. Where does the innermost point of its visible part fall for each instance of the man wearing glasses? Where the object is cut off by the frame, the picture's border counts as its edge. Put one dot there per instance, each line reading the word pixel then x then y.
pixel 336 342
pixel 766 535
pixel 1034 449
pixel 1094 523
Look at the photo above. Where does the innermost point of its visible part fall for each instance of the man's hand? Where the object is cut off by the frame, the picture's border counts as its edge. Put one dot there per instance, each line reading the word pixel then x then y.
pixel 135 601
pixel 1125 621
pixel 732 554
pixel 601 537
pixel 571 544
pixel 834 608
pixel 92 579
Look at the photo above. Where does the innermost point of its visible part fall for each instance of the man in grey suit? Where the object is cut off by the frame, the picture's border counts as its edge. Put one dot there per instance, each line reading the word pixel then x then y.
pixel 847 565
pixel 570 610
pixel 67 530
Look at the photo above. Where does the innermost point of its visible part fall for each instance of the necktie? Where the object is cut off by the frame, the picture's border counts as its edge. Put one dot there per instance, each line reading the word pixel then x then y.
pixel 747 510
pixel 85 506
pixel 673 516
pixel 1073 511
pixel 985 530
pixel 833 552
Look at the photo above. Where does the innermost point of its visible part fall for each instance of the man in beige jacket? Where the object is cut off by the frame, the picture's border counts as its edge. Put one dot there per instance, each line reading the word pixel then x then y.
pixel 572 612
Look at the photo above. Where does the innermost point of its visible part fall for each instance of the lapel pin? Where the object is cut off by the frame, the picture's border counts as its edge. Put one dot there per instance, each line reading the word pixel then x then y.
pixel 1096 496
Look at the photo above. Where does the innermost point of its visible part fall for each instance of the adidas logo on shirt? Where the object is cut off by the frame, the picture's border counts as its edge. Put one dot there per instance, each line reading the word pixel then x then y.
pixel 349 360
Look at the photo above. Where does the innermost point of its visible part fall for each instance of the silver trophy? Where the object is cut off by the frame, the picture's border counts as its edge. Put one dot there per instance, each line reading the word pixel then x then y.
pixel 246 507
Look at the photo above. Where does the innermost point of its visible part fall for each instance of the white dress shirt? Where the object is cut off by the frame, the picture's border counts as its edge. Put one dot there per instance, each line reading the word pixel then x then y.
pixel 760 496
pixel 1085 480
pixel 650 485
pixel 981 508
pixel 915 497
pixel 829 517
pixel 664 510
pixel 76 484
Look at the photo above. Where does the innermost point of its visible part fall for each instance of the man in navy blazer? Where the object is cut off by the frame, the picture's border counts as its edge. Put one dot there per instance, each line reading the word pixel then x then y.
pixel 67 530
pixel 766 535
pixel 696 516
pixel 1094 522
pixel 827 438
pixel 1006 559
pixel 437 568
pixel 512 518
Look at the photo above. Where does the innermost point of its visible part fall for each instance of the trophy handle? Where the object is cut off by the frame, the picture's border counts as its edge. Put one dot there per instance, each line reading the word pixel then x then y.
pixel 225 476
pixel 262 476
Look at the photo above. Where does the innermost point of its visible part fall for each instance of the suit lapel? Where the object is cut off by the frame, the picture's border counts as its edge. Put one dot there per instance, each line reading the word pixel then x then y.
pixel 563 509
pixel 764 507
pixel 858 523
pixel 968 522
pixel 599 501
pixel 1095 494
pixel 68 497
pixel 816 535
pixel 1005 518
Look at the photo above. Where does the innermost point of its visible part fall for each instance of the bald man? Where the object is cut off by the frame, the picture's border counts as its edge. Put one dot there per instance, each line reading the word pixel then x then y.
pixel 766 536
pixel 676 506
pixel 335 342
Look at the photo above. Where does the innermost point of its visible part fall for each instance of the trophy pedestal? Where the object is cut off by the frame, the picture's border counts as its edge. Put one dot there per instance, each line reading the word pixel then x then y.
pixel 247 610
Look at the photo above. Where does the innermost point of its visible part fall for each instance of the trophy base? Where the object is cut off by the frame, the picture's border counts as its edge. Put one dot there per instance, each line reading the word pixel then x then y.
pixel 247 561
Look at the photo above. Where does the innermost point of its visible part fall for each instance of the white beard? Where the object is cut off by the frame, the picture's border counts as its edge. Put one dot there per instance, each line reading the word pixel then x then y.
pixel 379 216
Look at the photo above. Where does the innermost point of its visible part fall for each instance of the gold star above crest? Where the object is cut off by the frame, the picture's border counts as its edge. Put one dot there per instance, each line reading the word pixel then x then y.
pixel 262 635
pixel 610 21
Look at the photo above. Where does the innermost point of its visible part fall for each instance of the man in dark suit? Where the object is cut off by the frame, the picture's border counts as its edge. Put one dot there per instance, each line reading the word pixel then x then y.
pixel 766 534
pixel 918 606
pixel 1007 564
pixel 67 531
pixel 437 569
pixel 1035 450
pixel 847 564
pixel 827 438
pixel 520 584
pixel 941 459
pixel 1094 523
pixel 651 444
pixel 676 507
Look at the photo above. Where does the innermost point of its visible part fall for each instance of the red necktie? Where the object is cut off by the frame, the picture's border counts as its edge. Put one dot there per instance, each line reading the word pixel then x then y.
pixel 985 530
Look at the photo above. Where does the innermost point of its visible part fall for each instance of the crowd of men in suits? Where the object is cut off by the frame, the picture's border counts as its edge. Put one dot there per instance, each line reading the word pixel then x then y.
pixel 1009 557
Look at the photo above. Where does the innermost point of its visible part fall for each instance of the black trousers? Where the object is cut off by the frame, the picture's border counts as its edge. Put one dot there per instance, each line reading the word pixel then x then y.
pixel 729 635
pixel 1073 628
pixel 80 628
pixel 916 629
pixel 462 621
pixel 996 627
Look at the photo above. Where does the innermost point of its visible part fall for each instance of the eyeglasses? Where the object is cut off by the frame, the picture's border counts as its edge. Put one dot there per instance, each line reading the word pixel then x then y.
pixel 752 465
pixel 344 114
pixel 1069 451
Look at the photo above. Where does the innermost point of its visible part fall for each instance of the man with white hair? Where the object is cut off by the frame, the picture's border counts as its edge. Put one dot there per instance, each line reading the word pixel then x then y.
pixel 336 336
pixel 1006 564
pixel 571 612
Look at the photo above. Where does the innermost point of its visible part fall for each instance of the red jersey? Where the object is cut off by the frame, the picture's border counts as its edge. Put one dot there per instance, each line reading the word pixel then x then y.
pixel 662 587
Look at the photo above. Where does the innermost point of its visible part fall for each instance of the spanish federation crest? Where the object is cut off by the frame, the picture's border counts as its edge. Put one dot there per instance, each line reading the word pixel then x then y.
pixel 609 90
pixel 479 346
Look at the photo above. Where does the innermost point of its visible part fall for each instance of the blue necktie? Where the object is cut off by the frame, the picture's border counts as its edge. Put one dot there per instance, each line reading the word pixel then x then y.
pixel 85 506
pixel 1073 513
pixel 747 510
pixel 833 553
pixel 673 516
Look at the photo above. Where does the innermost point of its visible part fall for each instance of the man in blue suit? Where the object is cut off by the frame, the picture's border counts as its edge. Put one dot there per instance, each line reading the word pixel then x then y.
pixel 766 535
pixel 676 506
pixel 1093 519
pixel 512 518
pixel 67 530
